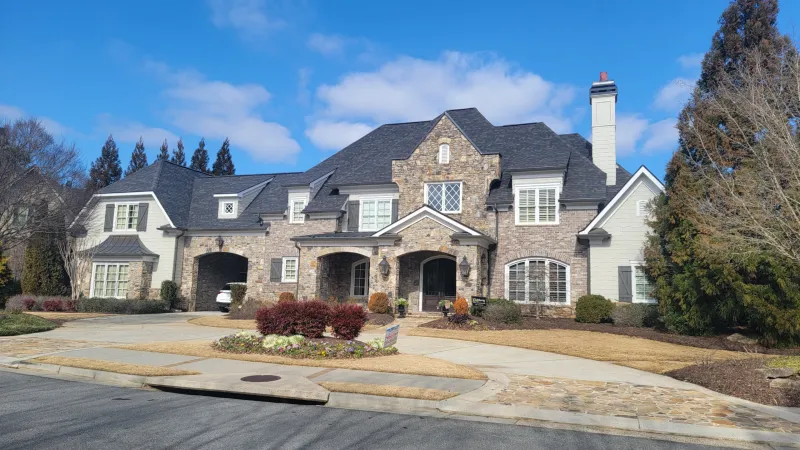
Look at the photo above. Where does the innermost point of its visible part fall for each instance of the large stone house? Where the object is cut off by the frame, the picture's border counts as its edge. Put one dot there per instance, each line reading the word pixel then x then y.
pixel 422 210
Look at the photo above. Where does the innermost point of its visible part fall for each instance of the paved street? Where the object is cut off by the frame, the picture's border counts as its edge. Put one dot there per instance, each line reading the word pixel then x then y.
pixel 38 412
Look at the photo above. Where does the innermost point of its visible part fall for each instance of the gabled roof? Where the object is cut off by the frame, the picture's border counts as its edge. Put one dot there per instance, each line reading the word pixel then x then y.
pixel 426 212
pixel 623 193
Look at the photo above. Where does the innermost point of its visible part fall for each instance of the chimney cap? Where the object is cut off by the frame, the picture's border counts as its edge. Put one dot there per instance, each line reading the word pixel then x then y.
pixel 603 76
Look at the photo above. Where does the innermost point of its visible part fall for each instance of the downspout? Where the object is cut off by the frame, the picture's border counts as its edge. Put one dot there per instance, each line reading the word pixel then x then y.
pixel 297 283
pixel 175 256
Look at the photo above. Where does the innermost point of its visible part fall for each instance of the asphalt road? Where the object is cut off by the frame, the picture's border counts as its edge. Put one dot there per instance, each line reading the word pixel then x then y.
pixel 38 412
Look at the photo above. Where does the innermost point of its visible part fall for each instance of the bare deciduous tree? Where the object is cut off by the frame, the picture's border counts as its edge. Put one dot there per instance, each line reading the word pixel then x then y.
pixel 751 170
pixel 537 286
pixel 77 253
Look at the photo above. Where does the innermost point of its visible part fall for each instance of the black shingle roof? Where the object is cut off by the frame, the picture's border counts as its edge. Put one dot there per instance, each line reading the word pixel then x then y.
pixel 122 245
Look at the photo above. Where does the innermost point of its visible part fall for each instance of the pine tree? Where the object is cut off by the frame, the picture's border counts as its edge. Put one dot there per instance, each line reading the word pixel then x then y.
pixel 163 154
pixel 224 163
pixel 138 158
pixel 178 156
pixel 200 157
pixel 700 289
pixel 106 169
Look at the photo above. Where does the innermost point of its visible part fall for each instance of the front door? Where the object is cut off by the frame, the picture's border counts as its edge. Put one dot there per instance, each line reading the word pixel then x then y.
pixel 438 282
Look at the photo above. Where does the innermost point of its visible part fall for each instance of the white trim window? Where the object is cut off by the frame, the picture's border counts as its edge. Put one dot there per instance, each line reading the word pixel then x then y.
pixel 109 280
pixel 296 208
pixel 289 270
pixel 127 216
pixel 376 214
pixel 227 208
pixel 536 205
pixel 539 280
pixel 444 154
pixel 359 278
pixel 642 287
pixel 444 197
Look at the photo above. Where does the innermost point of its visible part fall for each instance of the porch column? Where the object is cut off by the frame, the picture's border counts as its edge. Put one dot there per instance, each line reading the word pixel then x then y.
pixel 384 283
pixel 470 285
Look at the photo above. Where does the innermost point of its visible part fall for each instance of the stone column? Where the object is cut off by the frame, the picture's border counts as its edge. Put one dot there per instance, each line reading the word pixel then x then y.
pixel 384 283
pixel 140 276
pixel 468 286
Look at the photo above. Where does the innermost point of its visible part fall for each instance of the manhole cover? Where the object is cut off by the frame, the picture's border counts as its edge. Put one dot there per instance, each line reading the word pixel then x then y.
pixel 260 378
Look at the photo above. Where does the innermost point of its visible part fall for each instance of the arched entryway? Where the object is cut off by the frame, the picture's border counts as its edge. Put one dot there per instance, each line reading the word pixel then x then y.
pixel 343 275
pixel 437 281
pixel 215 270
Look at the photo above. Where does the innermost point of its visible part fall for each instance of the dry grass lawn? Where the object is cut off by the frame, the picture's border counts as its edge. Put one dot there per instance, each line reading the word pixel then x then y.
pixel 388 391
pixel 224 322
pixel 643 354
pixel 405 364
pixel 116 367
pixel 65 316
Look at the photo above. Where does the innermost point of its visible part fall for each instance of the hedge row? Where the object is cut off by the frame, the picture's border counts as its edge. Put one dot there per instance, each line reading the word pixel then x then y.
pixel 94 305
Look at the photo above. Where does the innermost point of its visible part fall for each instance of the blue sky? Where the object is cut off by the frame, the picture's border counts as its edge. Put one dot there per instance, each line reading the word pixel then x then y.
pixel 292 82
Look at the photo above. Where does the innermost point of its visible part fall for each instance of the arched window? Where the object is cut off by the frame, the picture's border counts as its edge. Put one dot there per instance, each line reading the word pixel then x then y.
pixel 444 154
pixel 359 283
pixel 538 280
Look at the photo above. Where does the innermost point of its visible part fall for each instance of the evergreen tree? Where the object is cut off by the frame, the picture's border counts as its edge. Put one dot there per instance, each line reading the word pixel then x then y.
pixel 8 285
pixel 178 156
pixel 200 157
pixel 106 169
pixel 224 163
pixel 138 158
pixel 699 287
pixel 43 268
pixel 163 154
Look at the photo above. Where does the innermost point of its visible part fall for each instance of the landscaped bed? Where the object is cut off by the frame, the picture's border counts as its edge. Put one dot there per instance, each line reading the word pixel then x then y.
pixel 300 347
pixel 14 324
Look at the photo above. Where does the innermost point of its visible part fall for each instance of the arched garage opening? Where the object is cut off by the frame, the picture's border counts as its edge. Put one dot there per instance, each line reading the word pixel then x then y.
pixel 215 270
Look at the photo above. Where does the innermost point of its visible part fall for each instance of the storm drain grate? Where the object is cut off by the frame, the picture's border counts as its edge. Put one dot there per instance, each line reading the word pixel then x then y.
pixel 260 378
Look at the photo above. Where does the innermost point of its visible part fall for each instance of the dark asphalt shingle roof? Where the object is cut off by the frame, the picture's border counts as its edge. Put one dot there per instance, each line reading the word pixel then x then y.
pixel 122 245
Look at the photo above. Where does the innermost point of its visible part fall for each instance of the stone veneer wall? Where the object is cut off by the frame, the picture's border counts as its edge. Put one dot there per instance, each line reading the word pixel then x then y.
pixel 558 242
pixel 466 164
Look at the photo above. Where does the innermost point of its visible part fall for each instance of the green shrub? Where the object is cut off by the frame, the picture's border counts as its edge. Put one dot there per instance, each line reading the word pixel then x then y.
pixel 43 271
pixel 238 291
pixel 503 311
pixel 635 315
pixel 122 306
pixel 593 309
pixel 169 293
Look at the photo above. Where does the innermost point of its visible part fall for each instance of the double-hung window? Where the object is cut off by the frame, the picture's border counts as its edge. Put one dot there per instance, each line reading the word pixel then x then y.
pixel 296 208
pixel 127 217
pixel 642 287
pixel 538 281
pixel 444 197
pixel 110 280
pixel 289 270
pixel 375 214
pixel 537 205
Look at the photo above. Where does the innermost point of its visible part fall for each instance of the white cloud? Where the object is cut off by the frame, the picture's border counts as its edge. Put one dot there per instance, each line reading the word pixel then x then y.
pixel 125 131
pixel 691 60
pixel 327 135
pixel 661 136
pixel 410 89
pixel 674 94
pixel 217 109
pixel 630 129
pixel 10 113
pixel 248 17
pixel 326 44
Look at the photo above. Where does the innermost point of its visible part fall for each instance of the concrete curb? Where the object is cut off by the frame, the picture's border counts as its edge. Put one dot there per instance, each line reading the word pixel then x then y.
pixel 120 379
pixel 365 402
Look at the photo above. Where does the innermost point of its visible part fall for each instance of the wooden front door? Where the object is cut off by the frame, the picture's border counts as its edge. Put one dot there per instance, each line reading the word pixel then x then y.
pixel 438 282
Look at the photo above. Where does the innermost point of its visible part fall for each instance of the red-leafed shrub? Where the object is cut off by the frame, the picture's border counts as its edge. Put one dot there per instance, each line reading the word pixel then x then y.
pixel 70 305
pixel 460 306
pixel 378 303
pixel 287 318
pixel 347 321
pixel 286 297
pixel 53 304
pixel 30 304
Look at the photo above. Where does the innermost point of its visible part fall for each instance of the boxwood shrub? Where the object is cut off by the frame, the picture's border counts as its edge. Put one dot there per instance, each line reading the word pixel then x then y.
pixel 635 315
pixel 593 309
pixel 503 311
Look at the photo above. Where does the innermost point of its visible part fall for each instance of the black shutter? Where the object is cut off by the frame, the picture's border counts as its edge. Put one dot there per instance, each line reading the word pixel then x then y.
pixel 352 216
pixel 625 284
pixel 395 208
pixel 275 269
pixel 109 223
pixel 141 225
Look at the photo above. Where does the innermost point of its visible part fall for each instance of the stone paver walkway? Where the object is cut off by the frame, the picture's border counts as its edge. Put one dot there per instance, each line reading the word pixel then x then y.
pixel 631 400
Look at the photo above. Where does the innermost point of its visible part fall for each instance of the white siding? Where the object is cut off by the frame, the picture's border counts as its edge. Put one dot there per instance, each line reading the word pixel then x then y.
pixel 628 235
pixel 153 239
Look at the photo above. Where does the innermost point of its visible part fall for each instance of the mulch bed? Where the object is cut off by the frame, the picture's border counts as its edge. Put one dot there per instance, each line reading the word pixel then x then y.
pixel 738 378
pixel 530 323
pixel 379 319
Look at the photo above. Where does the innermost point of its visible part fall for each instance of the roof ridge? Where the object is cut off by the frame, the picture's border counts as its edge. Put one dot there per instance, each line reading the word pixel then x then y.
pixel 520 124
pixel 182 167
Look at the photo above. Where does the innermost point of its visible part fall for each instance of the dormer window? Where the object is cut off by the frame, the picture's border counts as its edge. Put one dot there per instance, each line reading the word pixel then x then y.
pixel 444 154
pixel 296 210
pixel 227 209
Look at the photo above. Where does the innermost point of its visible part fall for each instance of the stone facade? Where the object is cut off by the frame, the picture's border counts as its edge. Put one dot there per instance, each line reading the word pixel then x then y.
pixel 467 165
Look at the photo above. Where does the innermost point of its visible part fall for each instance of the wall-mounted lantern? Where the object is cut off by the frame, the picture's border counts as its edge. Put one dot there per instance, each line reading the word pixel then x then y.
pixel 220 242
pixel 384 266
pixel 464 267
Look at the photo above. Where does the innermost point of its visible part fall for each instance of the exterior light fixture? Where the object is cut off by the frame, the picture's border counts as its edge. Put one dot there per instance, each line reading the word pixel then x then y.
pixel 464 267
pixel 384 266
pixel 220 242
pixel 260 221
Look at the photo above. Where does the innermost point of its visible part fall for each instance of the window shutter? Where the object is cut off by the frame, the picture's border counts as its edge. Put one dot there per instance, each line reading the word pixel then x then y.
pixel 625 284
pixel 395 208
pixel 352 216
pixel 141 225
pixel 108 225
pixel 275 269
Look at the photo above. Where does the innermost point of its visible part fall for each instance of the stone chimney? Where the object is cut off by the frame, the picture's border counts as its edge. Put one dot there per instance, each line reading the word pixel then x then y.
pixel 603 98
